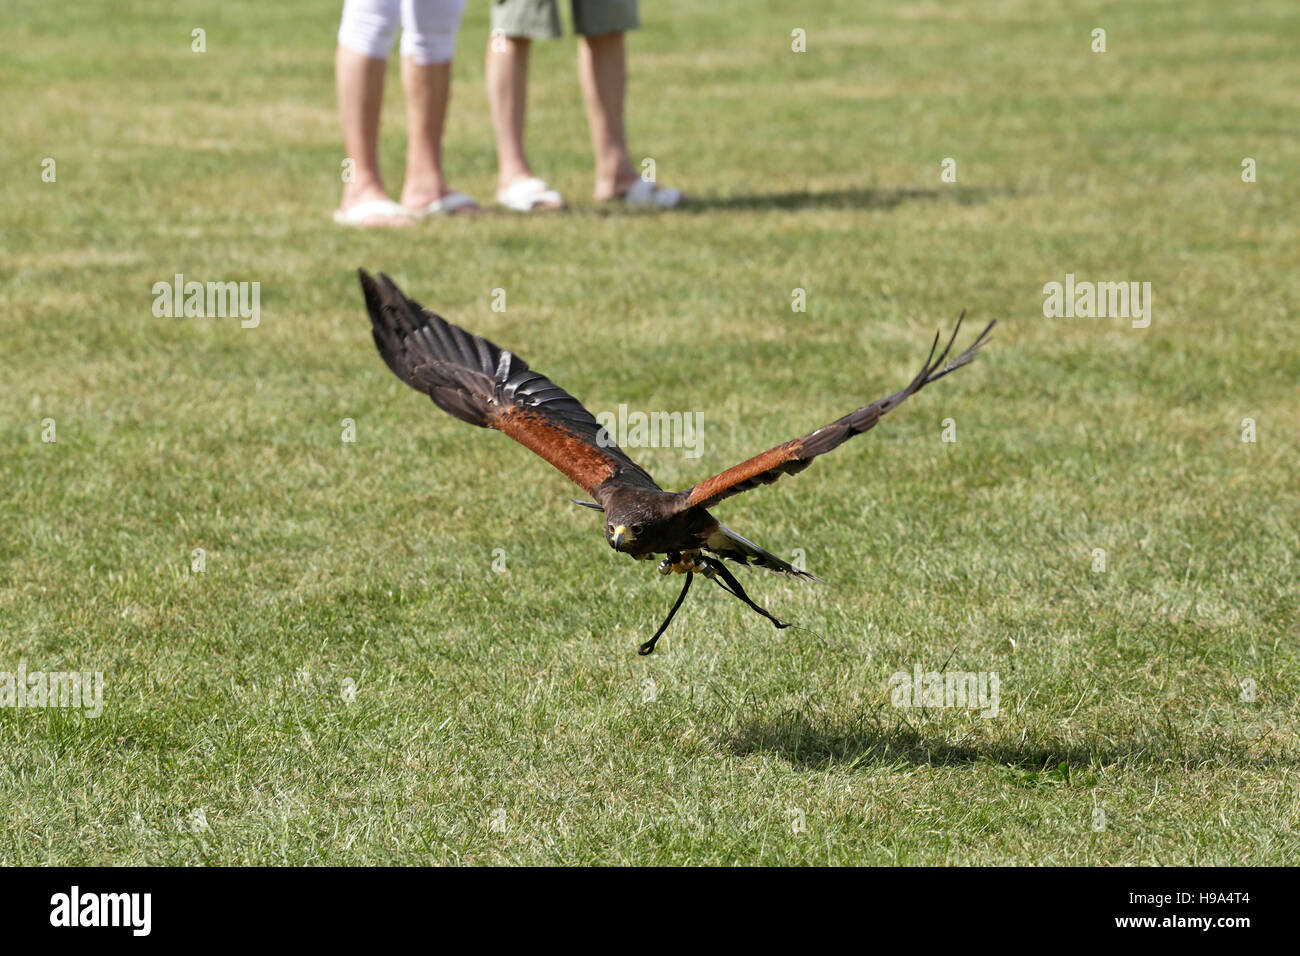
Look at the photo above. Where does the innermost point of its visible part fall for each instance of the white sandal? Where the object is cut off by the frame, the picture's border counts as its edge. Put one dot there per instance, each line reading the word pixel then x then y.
pixel 358 214
pixel 645 193
pixel 527 194
pixel 446 206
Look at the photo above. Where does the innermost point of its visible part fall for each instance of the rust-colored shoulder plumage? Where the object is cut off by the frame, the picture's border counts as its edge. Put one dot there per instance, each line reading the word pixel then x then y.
pixel 797 454
pixel 478 382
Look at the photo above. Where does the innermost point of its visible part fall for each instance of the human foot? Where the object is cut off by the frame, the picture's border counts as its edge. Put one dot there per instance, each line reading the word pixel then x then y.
pixel 438 202
pixel 368 205
pixel 529 194
pixel 641 192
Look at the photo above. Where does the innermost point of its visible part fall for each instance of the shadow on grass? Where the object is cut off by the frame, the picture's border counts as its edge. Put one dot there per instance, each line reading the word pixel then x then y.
pixel 810 745
pixel 866 198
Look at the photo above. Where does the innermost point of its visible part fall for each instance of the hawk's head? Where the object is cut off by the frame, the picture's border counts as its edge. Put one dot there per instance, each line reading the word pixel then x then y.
pixel 643 521
pixel 624 532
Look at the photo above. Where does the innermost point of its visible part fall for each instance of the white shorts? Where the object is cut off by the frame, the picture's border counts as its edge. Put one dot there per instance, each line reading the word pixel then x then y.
pixel 429 28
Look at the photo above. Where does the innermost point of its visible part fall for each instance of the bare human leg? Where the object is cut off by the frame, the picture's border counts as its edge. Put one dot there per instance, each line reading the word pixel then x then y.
pixel 360 83
pixel 507 89
pixel 602 69
pixel 428 91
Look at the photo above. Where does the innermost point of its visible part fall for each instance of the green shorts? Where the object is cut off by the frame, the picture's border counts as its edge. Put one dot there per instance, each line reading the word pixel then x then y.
pixel 540 19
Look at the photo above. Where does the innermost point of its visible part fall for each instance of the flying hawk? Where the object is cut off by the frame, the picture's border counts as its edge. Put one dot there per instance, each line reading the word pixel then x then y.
pixel 478 382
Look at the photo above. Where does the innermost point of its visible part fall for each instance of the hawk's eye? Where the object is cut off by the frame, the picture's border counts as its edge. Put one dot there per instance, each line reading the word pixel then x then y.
pixel 609 528
pixel 638 528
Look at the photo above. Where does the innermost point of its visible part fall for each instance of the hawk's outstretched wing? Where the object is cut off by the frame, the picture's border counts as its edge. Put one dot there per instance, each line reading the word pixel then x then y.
pixel 480 383
pixel 797 454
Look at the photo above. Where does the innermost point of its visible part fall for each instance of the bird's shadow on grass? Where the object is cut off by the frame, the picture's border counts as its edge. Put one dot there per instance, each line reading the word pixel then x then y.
pixel 863 198
pixel 809 744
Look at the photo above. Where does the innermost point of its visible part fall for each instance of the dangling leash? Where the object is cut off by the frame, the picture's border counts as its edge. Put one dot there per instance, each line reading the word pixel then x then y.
pixel 649 646
pixel 714 570
pixel 732 587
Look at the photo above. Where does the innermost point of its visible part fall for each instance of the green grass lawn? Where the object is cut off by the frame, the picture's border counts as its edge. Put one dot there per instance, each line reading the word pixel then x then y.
pixel 349 680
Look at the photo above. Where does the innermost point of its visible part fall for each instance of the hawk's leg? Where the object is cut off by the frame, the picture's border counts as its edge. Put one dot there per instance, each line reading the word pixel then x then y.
pixel 684 562
pixel 649 646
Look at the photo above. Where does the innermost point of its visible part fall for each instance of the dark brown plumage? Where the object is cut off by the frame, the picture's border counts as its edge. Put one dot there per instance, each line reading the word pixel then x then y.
pixel 478 382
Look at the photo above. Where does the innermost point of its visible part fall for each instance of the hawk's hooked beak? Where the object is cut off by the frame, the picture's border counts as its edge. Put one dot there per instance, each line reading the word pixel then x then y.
pixel 621 537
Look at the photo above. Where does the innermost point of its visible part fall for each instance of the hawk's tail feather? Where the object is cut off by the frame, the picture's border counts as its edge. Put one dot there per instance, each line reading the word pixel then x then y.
pixel 727 544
